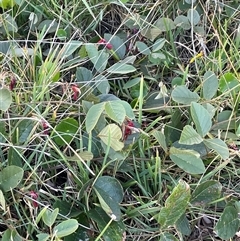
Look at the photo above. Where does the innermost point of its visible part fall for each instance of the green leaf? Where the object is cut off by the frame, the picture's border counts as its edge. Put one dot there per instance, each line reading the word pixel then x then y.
pixel 183 22
pixel 116 111
pixel 189 136
pixel 9 23
pixel 43 236
pixel 5 99
pixel 110 206
pixel 111 186
pixel 61 33
pixel 219 146
pixel 161 139
pixel 12 235
pixel 101 62
pixel 67 208
pixel 65 228
pixel 121 68
pixel 210 85
pixel 228 224
pixel 200 148
pixel 193 16
pixel 229 82
pixel 64 132
pixel 111 135
pixel 93 116
pixel 92 52
pixel 183 226
pixel 69 48
pixel 83 74
pixel 151 33
pixel 188 160
pixel 10 177
pixel 167 237
pixel 165 24
pixel 114 232
pixel 182 95
pixel 143 48
pixel 206 192
pixel 117 43
pixel 49 217
pixel 201 118
pixel 102 84
pixel 132 83
pixel 23 131
pixel 50 26
pixel 175 205
pixel 128 109
pixel 159 43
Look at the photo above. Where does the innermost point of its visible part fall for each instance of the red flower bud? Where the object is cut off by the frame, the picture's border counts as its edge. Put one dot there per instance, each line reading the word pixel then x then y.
pixel 12 83
pixel 34 196
pixel 76 91
pixel 45 127
pixel 104 42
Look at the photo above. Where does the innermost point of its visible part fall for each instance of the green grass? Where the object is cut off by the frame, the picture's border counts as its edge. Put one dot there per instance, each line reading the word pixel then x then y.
pixel 95 134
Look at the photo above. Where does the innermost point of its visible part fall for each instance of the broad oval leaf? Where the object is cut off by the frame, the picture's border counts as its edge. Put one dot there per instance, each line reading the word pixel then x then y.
pixel 69 48
pixel 92 52
pixel 117 44
pixel 183 22
pixel 102 84
pixel 50 26
pixel 181 94
pixel 188 160
pixel 219 146
pixel 43 236
pixel 165 24
pixel 175 205
pixel 23 131
pixel 229 84
pixel 111 187
pixel 9 23
pixel 116 111
pixel 210 85
pixel 93 116
pixel 201 118
pixel 200 148
pixel 193 16
pixel 64 132
pixel 5 99
pixel 161 139
pixel 159 43
pixel 101 62
pixel 183 225
pixel 132 83
pixel 143 48
pixel 114 232
pixel 167 237
pixel 111 135
pixel 110 206
pixel 65 228
pixel 189 136
pixel 206 192
pixel 121 68
pixel 228 224
pixel 10 177
pixel 83 74
pixel 128 109
pixel 49 217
